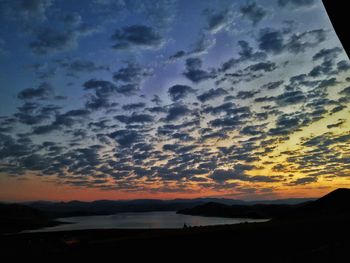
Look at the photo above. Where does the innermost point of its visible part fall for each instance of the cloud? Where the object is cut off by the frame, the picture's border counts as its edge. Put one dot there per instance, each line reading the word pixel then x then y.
pixel 336 125
pixel 70 118
pixel 9 147
pixel 44 129
pixel 343 66
pixel 246 53
pixel 290 97
pixel 134 118
pixel 49 40
pixel 130 78
pixel 219 21
pixel 299 42
pixel 7 124
pixel 125 138
pixel 176 111
pixel 209 134
pixel 253 12
pixel 44 91
pixel 194 71
pixel 229 121
pixel 137 36
pixel 288 123
pixel 271 41
pixel 132 73
pixel 202 45
pixel 128 89
pixel 30 119
pixel 67 119
pixel 178 92
pixel 278 41
pixel 79 65
pixel 272 85
pixel 198 75
pixel 326 68
pixel 303 181
pixel 267 66
pixel 246 94
pixel 253 130
pixel 338 108
pixel 212 94
pixel 97 103
pixel 327 53
pixel 134 106
pixel 345 91
pixel 102 88
pixel 177 55
pixel 239 173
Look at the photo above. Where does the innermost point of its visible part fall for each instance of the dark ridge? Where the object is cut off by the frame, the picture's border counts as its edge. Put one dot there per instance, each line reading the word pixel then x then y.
pixel 335 203
pixel 15 217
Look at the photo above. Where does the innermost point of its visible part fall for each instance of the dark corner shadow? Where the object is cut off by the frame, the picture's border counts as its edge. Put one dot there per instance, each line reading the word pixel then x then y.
pixel 338 13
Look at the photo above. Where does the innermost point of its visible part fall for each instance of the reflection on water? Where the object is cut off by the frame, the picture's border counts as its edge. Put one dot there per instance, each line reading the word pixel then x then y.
pixel 141 220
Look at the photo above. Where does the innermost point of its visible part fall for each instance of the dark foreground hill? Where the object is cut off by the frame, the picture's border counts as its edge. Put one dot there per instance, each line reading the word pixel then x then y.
pixel 334 203
pixel 15 217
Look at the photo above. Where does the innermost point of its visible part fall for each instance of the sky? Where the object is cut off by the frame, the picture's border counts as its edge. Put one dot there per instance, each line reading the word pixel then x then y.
pixel 125 99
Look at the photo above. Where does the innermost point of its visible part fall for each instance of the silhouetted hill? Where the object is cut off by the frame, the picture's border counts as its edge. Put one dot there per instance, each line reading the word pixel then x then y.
pixel 333 204
pixel 15 217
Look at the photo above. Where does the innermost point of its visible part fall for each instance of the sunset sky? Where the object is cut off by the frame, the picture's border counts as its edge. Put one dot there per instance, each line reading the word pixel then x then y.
pixel 124 99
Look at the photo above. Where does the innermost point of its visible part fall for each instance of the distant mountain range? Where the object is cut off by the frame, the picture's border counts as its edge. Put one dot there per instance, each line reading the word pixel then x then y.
pixel 104 207
pixel 334 203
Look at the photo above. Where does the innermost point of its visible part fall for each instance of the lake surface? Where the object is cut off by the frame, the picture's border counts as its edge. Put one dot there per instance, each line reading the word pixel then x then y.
pixel 144 220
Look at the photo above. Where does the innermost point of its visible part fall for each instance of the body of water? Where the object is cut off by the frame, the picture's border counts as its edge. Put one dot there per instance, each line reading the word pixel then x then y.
pixel 144 220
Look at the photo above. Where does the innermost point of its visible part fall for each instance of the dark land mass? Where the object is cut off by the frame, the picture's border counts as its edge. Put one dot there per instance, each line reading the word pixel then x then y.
pixel 334 203
pixel 107 207
pixel 315 231
pixel 15 218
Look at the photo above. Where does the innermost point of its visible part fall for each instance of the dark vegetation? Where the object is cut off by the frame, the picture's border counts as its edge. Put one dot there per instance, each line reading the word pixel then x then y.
pixel 315 231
